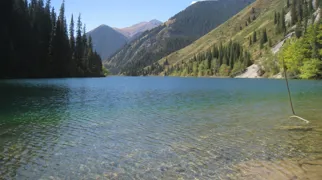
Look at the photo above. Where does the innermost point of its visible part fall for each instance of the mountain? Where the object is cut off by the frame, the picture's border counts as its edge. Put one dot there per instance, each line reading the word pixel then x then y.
pixel 106 40
pixel 256 18
pixel 266 39
pixel 136 30
pixel 179 31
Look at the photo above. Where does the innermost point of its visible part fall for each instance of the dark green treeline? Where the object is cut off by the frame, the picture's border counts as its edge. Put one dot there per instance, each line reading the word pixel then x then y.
pixel 222 60
pixel 35 43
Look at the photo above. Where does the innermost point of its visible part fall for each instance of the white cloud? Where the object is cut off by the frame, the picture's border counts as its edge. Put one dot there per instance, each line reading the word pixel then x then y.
pixel 201 0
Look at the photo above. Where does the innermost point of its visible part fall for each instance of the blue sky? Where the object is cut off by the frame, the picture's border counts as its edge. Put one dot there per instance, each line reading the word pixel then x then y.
pixel 121 13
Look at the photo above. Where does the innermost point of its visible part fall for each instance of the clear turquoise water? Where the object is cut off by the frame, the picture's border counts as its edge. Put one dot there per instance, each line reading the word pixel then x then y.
pixel 151 128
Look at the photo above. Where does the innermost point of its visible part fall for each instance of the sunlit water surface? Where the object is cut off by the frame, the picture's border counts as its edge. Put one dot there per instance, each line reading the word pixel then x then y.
pixel 152 128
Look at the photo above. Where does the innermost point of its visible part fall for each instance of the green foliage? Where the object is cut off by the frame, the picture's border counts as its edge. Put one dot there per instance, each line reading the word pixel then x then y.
pixel 302 57
pixel 105 71
pixel 217 61
pixel 311 69
pixel 238 68
pixel 270 64
pixel 35 44
pixel 224 70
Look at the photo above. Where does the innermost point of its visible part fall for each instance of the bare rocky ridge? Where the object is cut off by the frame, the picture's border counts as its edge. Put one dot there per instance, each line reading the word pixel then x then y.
pixel 137 29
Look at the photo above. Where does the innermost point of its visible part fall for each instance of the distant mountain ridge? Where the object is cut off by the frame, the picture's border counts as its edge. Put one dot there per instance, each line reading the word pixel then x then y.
pixel 108 40
pixel 178 32
pixel 138 29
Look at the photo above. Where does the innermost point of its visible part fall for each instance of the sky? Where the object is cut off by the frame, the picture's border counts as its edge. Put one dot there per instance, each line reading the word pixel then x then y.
pixel 121 13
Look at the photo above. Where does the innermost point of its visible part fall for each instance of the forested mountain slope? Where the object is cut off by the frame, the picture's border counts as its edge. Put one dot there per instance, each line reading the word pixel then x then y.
pixel 178 32
pixel 257 28
pixel 257 17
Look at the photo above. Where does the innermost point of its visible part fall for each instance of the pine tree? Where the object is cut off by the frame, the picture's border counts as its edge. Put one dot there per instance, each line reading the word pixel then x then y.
pixel 317 4
pixel 264 36
pixel 298 31
pixel 314 41
pixel 310 6
pixel 79 46
pixel 305 10
pixel 300 10
pixel 72 36
pixel 85 49
pixel 293 13
pixel 250 41
pixel 282 27
pixel 254 37
pixel 278 19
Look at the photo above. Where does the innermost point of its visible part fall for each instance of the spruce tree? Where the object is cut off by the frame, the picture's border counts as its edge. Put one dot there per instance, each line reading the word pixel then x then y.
pixel 264 36
pixel 79 46
pixel 300 10
pixel 317 4
pixel 282 23
pixel 254 37
pixel 72 36
pixel 310 7
pixel 298 31
pixel 250 41
pixel 294 16
pixel 305 10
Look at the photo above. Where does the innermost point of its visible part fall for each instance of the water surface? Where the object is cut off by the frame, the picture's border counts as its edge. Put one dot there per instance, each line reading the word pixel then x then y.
pixel 152 128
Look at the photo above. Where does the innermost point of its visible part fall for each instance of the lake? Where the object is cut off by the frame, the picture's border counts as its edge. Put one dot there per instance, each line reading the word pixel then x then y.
pixel 158 128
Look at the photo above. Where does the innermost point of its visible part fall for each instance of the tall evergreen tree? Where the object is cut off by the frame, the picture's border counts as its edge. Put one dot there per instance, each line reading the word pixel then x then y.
pixel 264 36
pixel 310 6
pixel 72 36
pixel 298 31
pixel 294 17
pixel 254 37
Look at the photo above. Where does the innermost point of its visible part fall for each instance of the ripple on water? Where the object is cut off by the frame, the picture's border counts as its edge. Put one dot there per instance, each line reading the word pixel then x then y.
pixel 157 128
